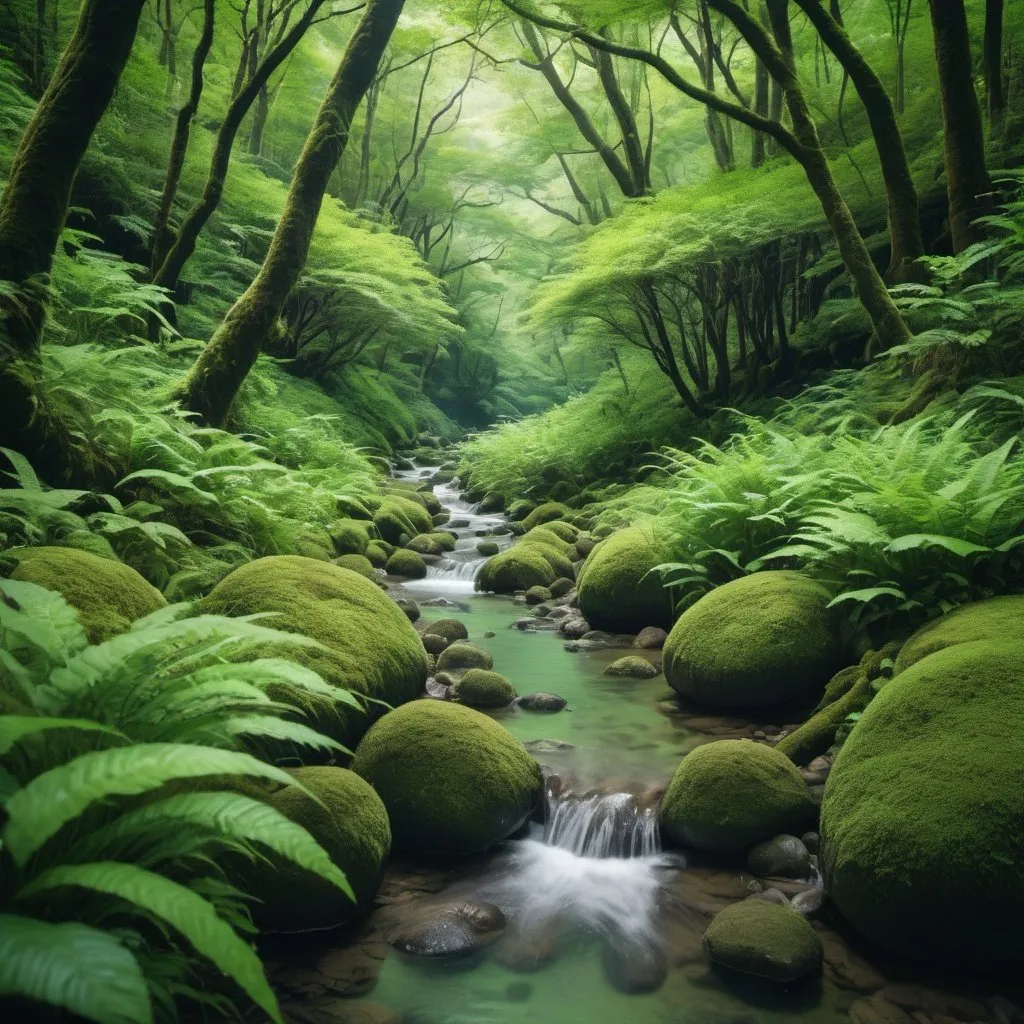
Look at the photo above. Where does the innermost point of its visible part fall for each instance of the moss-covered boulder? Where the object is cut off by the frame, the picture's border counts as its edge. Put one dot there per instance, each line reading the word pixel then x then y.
pixel 108 596
pixel 633 666
pixel 450 629
pixel 554 550
pixel 519 568
pixel 351 824
pixel 617 590
pixel 922 845
pixel 563 531
pixel 998 618
pixel 479 688
pixel 406 563
pixel 519 510
pixel 461 656
pixel 761 640
pixel 357 563
pixel 377 554
pixel 350 536
pixel 367 643
pixel 434 644
pixel 487 548
pixel 545 513
pixel 727 795
pixel 492 501
pixel 453 780
pixel 538 595
pixel 426 544
pixel 764 939
pixel 399 515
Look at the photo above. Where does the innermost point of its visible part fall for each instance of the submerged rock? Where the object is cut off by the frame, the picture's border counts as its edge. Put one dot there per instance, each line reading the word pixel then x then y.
pixel 729 794
pixel 783 856
pixel 632 667
pixel 760 640
pixel 633 966
pixel 764 939
pixel 542 702
pixel 446 931
pixel 453 780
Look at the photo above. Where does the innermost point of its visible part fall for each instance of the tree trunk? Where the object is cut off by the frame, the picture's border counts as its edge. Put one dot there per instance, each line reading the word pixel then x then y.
pixel 758 140
pixel 907 244
pixel 967 181
pixel 994 60
pixel 218 373
pixel 197 218
pixel 626 121
pixel 179 144
pixel 35 202
pixel 259 121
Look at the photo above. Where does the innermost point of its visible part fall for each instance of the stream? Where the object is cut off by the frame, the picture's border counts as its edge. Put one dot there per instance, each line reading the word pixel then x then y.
pixel 603 926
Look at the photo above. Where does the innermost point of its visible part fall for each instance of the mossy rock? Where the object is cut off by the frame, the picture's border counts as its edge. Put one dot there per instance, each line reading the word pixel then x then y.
pixel 434 644
pixel 425 544
pixel 406 563
pixel 563 491
pixel 368 643
pixel 450 629
pixel 727 795
pixel 351 824
pixel 758 641
pixel 492 501
pixel 445 539
pixel 480 688
pixel 545 513
pixel 553 550
pixel 461 656
pixel 313 541
pixel 563 531
pixel 453 780
pixel 519 510
pixel 108 596
pixel 487 548
pixel 400 515
pixel 377 554
pixel 519 568
pixel 357 563
pixel 922 845
pixel 995 619
pixel 764 939
pixel 617 589
pixel 632 667
pixel 350 537
pixel 538 595
pixel 562 586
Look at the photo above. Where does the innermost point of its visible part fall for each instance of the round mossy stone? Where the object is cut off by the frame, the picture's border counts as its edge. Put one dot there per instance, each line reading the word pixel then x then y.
pixel 351 824
pixel 538 595
pixel 433 644
pixel 450 629
pixel 425 544
pixel 757 641
pixel 357 563
pixel 632 667
pixel 519 568
pixel 487 548
pixel 764 939
pixel 400 515
pixel 998 618
pixel 406 563
pixel 921 837
pixel 350 537
pixel 479 688
pixel 727 795
pixel 460 656
pixel 453 780
pixel 617 589
pixel 519 510
pixel 563 531
pixel 445 539
pixel 545 513
pixel 376 555
pixel 108 596
pixel 368 644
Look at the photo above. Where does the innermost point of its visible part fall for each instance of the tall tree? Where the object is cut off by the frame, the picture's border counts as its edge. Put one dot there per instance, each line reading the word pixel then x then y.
pixel 994 94
pixel 967 181
pixel 211 385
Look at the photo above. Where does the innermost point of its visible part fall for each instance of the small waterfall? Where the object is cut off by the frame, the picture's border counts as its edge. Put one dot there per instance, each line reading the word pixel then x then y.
pixel 602 825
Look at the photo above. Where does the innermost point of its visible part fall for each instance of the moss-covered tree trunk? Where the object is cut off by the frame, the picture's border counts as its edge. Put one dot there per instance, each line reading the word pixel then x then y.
pixel 967 181
pixel 995 95
pixel 222 366
pixel 907 244
pixel 35 201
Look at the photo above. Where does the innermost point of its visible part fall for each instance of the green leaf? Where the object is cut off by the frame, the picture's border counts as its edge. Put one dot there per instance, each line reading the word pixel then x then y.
pixel 279 729
pixel 194 917
pixel 23 471
pixel 39 809
pixel 956 545
pixel 14 728
pixel 42 617
pixel 80 969
pixel 866 596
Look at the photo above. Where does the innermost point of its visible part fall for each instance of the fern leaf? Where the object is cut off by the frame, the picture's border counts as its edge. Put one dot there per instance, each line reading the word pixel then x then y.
pixel 40 808
pixel 866 596
pixel 23 471
pixel 955 545
pixel 14 728
pixel 174 904
pixel 41 617
pixel 82 970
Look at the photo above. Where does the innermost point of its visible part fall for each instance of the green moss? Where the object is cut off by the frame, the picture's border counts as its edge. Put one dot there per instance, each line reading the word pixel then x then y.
pixel 108 596
pixel 453 780
pixel 727 795
pixel 351 824
pixel 446 539
pixel 922 847
pixel 425 544
pixel 406 563
pixel 818 733
pixel 369 645
pixel 461 656
pixel 994 619
pixel 563 491
pixel 538 595
pixel 487 548
pixel 377 554
pixel 519 510
pixel 350 537
pixel 761 640
pixel 617 590
pixel 479 688
pixel 554 550
pixel 764 939
pixel 357 563
pixel 563 531
pixel 400 515
pixel 545 513
pixel 450 629
pixel 519 568
pixel 632 667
